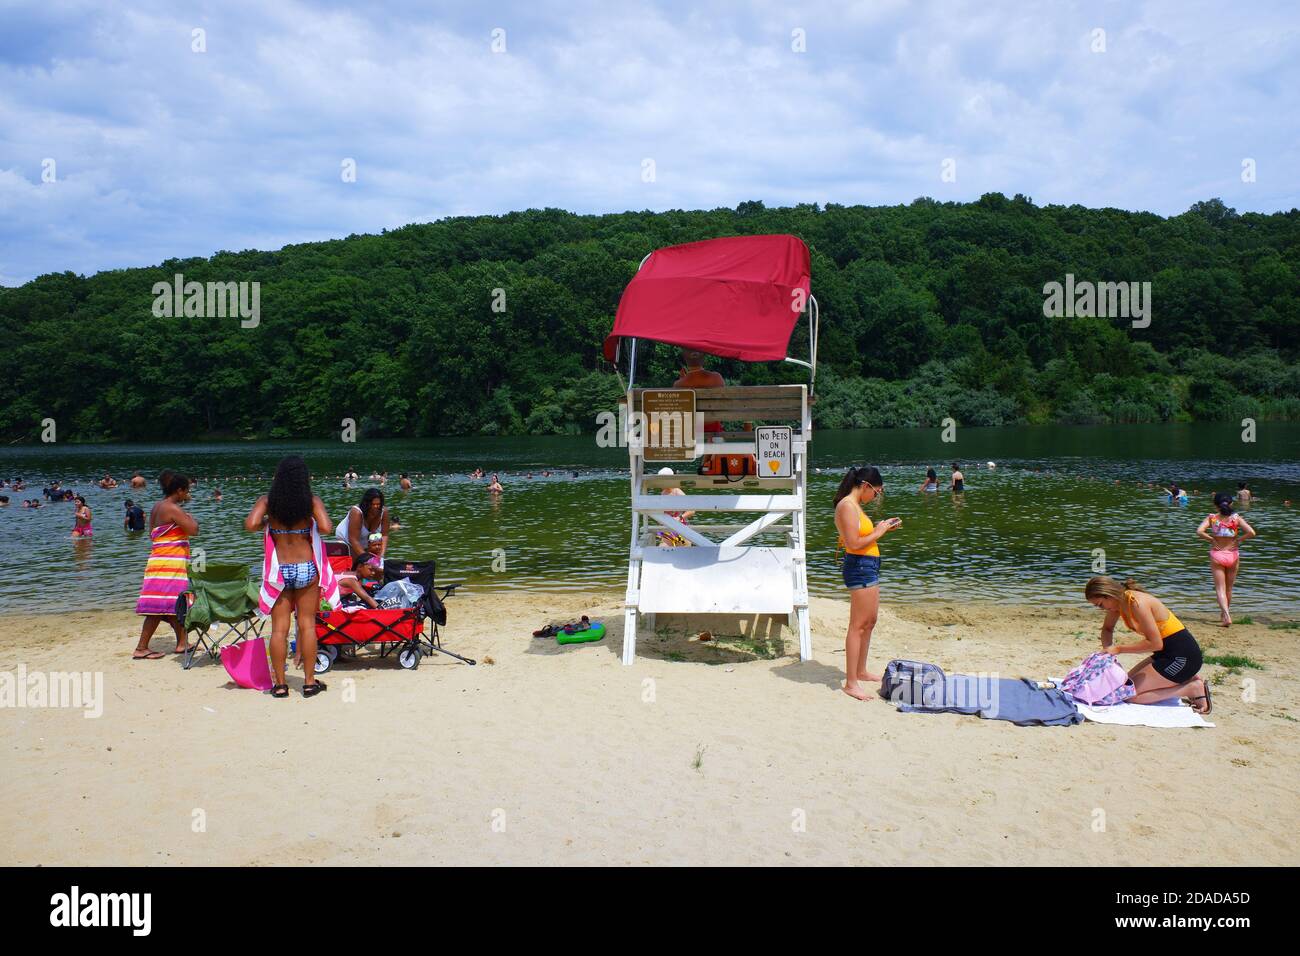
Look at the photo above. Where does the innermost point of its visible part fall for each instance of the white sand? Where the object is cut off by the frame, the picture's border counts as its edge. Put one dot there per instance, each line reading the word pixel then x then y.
pixel 562 755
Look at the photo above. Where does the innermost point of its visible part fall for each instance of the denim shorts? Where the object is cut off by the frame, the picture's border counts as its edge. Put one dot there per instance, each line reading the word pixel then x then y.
pixel 298 575
pixel 861 571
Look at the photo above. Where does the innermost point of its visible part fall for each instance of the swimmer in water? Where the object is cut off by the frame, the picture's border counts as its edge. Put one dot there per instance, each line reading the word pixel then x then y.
pixel 494 486
pixel 81 519
pixel 931 482
pixel 958 479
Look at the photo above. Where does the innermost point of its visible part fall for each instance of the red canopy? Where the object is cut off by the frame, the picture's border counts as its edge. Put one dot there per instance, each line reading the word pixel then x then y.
pixel 731 297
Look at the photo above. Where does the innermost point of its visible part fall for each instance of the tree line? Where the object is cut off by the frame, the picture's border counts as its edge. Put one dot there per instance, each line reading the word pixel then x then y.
pixel 493 325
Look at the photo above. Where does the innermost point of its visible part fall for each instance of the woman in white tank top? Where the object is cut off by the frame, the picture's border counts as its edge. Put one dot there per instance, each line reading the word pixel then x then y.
pixel 363 520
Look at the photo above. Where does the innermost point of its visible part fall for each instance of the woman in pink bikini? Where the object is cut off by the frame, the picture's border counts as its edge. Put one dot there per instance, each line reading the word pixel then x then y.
pixel 81 519
pixel 1225 530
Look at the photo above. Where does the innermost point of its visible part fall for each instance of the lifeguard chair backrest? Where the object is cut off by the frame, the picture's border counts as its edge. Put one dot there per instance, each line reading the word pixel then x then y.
pixel 341 563
pixel 743 403
pixel 747 402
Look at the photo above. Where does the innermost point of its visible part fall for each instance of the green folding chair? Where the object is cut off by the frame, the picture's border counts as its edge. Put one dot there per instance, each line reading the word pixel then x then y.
pixel 219 607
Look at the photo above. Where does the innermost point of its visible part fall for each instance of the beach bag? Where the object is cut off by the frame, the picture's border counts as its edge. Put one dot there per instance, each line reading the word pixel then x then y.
pixel 399 593
pixel 1100 681
pixel 913 682
pixel 246 663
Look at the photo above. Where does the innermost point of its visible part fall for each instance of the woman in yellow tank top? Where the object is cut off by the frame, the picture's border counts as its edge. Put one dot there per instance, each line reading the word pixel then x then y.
pixel 858 538
pixel 1171 670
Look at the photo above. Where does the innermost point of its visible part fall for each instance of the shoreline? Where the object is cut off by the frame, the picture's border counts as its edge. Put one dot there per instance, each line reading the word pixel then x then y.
pixel 1205 620
pixel 549 754
pixel 227 440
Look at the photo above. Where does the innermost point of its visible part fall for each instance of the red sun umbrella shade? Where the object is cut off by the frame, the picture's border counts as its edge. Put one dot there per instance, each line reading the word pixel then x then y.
pixel 737 297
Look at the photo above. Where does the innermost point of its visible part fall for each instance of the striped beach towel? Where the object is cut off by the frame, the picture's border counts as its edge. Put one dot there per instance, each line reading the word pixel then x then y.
pixel 165 576
pixel 273 582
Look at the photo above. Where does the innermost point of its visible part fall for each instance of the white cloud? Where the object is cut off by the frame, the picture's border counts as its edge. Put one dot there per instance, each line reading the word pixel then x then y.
pixel 164 152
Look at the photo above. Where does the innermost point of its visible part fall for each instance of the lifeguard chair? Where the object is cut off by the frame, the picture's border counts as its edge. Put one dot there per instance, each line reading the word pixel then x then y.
pixel 735 298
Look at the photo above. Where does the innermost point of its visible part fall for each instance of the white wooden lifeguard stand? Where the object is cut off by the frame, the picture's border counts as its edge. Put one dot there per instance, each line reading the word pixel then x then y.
pixel 726 570
pixel 729 573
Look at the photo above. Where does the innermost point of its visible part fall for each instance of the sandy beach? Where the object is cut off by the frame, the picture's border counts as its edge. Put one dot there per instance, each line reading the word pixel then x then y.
pixel 703 753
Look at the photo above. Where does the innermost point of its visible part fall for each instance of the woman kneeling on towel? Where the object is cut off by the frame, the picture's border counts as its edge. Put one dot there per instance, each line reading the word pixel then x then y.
pixel 1171 670
pixel 294 519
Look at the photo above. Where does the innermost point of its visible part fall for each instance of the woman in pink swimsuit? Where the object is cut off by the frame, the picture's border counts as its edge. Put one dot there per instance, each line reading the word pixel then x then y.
pixel 1225 530
pixel 81 519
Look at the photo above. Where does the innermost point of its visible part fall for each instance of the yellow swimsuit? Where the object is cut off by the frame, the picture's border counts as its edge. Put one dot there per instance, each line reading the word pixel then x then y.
pixel 1170 625
pixel 865 528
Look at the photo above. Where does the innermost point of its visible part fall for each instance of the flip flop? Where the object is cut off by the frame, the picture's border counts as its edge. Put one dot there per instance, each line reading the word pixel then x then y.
pixel 1208 697
pixel 550 630
pixel 149 656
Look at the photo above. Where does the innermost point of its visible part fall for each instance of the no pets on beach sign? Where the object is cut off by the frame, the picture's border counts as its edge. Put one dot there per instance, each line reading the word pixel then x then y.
pixel 772 449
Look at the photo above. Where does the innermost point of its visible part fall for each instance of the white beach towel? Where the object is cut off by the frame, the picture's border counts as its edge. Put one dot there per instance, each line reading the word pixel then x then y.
pixel 1168 713
pixel 1145 715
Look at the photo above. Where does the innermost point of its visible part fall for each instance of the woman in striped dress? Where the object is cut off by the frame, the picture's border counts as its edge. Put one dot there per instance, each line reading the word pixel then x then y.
pixel 165 576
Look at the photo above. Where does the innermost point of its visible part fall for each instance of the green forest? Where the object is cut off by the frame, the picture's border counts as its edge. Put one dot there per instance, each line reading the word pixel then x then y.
pixel 928 311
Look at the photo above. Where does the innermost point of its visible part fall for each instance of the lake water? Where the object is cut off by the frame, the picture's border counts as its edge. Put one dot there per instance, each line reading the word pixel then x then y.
pixel 1025 531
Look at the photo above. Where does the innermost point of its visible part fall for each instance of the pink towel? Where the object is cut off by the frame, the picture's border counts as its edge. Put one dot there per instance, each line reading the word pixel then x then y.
pixel 246 663
pixel 273 582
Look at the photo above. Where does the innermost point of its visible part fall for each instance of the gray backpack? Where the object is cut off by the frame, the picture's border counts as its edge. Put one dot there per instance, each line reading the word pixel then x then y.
pixel 913 682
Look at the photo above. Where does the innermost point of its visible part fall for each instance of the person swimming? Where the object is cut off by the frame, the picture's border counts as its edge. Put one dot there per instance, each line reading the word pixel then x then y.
pixel 1176 494
pixel 1224 529
pixel 1175 659
pixel 931 482
pixel 1243 493
pixel 958 479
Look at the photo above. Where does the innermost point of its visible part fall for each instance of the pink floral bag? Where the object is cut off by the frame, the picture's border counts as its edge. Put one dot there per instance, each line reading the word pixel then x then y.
pixel 1099 681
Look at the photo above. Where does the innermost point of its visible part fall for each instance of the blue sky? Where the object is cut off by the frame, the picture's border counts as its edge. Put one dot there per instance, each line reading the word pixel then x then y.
pixel 160 151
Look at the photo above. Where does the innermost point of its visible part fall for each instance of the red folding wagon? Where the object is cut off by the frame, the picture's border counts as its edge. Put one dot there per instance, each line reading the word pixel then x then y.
pixel 411 632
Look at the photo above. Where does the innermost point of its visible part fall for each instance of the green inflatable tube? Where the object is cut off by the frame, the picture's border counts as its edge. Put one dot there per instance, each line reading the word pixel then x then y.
pixel 589 635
